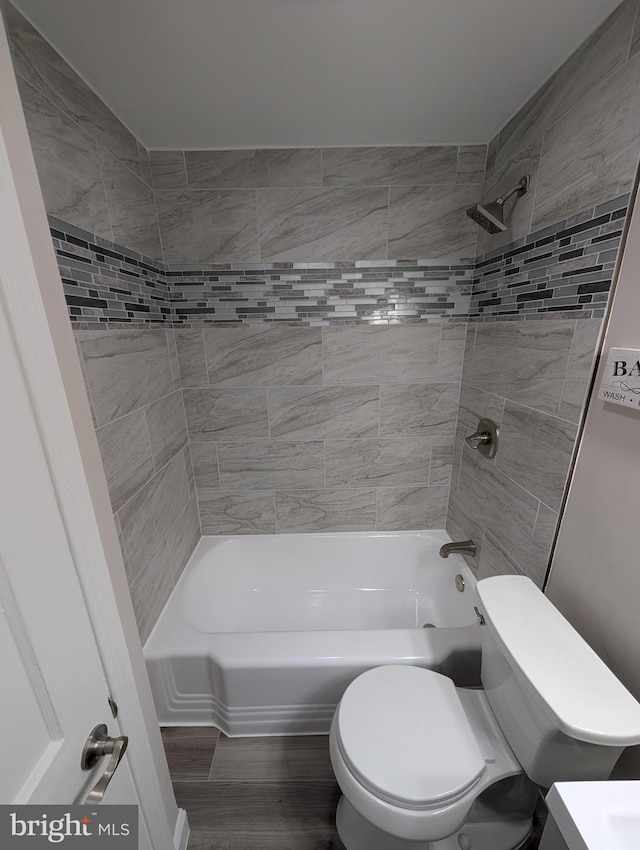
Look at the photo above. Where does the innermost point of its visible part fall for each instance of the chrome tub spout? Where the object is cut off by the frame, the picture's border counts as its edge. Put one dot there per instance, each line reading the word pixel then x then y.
pixel 464 547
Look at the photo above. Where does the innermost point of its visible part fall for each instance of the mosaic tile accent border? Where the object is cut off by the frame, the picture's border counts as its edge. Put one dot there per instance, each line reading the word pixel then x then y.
pixel 561 271
pixel 378 292
pixel 106 284
pixel 565 270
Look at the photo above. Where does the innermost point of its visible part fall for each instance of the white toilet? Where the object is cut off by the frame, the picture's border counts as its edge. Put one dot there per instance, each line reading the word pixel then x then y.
pixel 423 764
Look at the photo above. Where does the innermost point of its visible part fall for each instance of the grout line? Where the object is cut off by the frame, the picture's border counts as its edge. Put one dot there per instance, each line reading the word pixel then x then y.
pixel 148 433
pixel 566 369
pixel 159 472
pixel 633 31
pixel 140 407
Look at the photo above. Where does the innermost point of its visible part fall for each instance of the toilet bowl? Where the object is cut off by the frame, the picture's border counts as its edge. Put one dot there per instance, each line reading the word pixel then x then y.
pixel 396 796
pixel 424 765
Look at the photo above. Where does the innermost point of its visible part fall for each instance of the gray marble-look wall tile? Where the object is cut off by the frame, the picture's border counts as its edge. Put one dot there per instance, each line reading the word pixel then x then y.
pixel 314 225
pixel 301 413
pixel 271 465
pixel 145 165
pixel 182 539
pixel 226 414
pixel 76 339
pixel 461 524
pixel 471 163
pixel 150 588
pixel 38 63
pixel 476 404
pixel 250 169
pixel 173 357
pixel 168 169
pixel 237 513
pixel 418 410
pixel 189 467
pixel 469 346
pixel 168 556
pixel 325 510
pixel 535 451
pixel 167 427
pixel 492 150
pixel 204 457
pixel 495 561
pixel 635 38
pixel 544 531
pixel 132 208
pixel 375 166
pixel 374 354
pixel 451 356
pixel 126 456
pixel 191 361
pixel 147 517
pixel 153 584
pixel 498 504
pixel 411 508
pixel 518 210
pixel 208 226
pixel 121 542
pixel 255 356
pixel 441 465
pixel 125 369
pixel 430 222
pixel 522 361
pixel 579 369
pixel 603 52
pixel 67 163
pixel 379 463
pixel 591 152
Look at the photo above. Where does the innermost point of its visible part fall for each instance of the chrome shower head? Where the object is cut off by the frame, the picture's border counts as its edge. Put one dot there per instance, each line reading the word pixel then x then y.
pixel 491 216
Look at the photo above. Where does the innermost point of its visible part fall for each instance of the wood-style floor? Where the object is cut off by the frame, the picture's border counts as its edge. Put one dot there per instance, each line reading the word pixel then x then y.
pixel 260 793
pixel 254 793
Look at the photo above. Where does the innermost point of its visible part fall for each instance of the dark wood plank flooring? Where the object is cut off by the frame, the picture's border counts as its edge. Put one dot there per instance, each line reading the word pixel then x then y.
pixel 254 793
pixel 260 793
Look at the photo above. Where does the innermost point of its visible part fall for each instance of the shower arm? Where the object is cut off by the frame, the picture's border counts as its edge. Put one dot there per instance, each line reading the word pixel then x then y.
pixel 521 189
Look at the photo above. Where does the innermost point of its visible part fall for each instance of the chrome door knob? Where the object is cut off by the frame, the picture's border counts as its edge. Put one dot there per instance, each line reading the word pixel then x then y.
pixel 97 745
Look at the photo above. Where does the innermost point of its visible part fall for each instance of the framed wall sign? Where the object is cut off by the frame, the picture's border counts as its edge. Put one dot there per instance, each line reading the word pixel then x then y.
pixel 621 379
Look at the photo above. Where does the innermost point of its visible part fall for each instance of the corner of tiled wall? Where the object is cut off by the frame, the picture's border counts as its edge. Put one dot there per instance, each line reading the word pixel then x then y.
pixel 540 294
pixel 321 393
pixel 137 404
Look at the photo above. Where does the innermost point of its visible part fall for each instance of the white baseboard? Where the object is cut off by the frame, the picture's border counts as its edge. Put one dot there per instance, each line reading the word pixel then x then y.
pixel 181 834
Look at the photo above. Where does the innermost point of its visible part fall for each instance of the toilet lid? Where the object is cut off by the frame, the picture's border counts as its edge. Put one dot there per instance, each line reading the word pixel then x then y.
pixel 403 732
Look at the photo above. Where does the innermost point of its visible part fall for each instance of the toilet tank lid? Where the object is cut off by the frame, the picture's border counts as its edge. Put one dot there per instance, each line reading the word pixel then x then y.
pixel 581 694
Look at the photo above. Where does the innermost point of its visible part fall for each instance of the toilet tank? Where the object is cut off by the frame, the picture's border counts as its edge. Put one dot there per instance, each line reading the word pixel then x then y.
pixel 565 715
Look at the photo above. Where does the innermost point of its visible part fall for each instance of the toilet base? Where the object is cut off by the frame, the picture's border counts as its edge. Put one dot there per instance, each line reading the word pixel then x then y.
pixel 356 833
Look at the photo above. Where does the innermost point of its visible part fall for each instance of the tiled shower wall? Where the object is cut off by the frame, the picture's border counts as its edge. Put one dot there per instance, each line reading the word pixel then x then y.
pixel 334 428
pixel 93 172
pixel 303 440
pixel 282 420
pixel 317 205
pixel 95 175
pixel 538 301
pixel 136 401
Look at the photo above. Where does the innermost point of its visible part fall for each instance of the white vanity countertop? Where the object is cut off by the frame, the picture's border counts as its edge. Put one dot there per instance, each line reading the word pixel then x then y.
pixel 597 815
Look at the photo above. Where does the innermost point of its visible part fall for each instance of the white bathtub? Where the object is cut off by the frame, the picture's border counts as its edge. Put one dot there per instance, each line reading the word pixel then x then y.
pixel 262 634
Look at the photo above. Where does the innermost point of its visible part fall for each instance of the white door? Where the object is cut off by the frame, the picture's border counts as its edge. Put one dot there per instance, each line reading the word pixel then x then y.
pixel 66 622
pixel 53 684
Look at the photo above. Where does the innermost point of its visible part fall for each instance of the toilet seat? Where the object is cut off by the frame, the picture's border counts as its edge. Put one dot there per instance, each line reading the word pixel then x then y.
pixel 426 755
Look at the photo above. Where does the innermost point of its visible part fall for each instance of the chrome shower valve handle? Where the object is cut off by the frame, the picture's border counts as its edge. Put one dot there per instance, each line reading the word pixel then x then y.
pixel 486 438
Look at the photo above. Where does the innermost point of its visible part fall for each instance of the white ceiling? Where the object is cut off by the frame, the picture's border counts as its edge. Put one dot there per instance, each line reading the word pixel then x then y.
pixel 296 73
